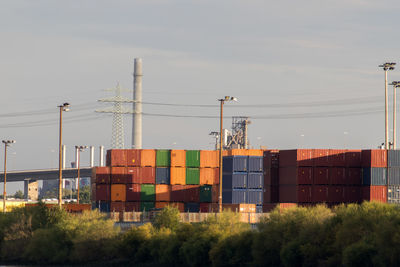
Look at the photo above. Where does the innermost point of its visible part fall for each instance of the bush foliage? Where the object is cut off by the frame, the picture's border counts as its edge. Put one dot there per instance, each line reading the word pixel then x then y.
pixel 348 235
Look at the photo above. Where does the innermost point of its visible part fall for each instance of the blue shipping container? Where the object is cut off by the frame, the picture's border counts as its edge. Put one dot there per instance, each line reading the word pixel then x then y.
pixel 255 196
pixel 162 175
pixel 192 207
pixel 255 180
pixel 393 158
pixel 235 164
pixel 255 164
pixel 234 180
pixel 374 176
pixel 234 196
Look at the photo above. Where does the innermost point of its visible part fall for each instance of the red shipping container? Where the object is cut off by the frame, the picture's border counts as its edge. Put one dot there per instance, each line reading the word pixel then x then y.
pixel 102 175
pixel 375 193
pixel 141 175
pixel 337 176
pixel 337 157
pixel 353 176
pixel 118 175
pixel 271 194
pixel 133 157
pixel 352 194
pixel 132 206
pixel 321 175
pixel 296 157
pixel 295 193
pixel 192 193
pixel 133 192
pixel 117 206
pixel 374 158
pixel 353 158
pixel 268 207
pixel 271 176
pixel 319 194
pixel 335 194
pixel 116 157
pixel 215 193
pixel 271 159
pixel 163 192
pixel 295 175
pixel 320 157
pixel 209 207
pixel 178 193
pixel 103 192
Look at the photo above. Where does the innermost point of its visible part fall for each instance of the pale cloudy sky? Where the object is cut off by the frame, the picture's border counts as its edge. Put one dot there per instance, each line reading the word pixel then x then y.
pixel 194 52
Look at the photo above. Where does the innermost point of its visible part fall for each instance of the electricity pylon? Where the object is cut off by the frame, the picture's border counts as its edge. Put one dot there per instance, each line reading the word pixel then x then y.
pixel 117 110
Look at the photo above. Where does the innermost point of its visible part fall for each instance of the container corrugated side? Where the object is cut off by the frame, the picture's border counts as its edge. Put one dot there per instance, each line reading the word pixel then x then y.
pixel 374 158
pixel 118 175
pixel 147 157
pixel 337 157
pixel 192 207
pixel 205 193
pixel 271 176
pixel 320 157
pixel 162 175
pixel 178 175
pixel 234 196
pixel 163 192
pixel 374 176
pixel 352 194
pixel 103 192
pixel 295 193
pixel 296 157
pixel 209 176
pixel 271 159
pixel 375 193
pixel 192 193
pixel 234 180
pixel 133 157
pixel 118 192
pixel 209 158
pixel 321 175
pixel 319 194
pixel 295 175
pixel 353 176
pixel 353 158
pixel 337 176
pixel 147 192
pixel 133 192
pixel 102 175
pixel 193 158
pixel 394 176
pixel 254 196
pixel 177 193
pixel 255 180
pixel 235 164
pixel 255 164
pixel 192 176
pixel 393 158
pixel 178 158
pixel 116 157
pixel 163 158
pixel 336 194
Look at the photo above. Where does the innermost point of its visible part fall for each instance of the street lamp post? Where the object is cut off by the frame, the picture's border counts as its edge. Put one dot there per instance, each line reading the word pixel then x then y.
pixel 222 101
pixel 63 107
pixel 387 66
pixel 6 143
pixel 80 149
pixel 396 84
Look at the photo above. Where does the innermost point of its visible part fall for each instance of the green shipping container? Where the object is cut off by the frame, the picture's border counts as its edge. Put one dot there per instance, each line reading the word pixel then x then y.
pixel 193 158
pixel 192 176
pixel 146 206
pixel 163 158
pixel 147 192
pixel 206 193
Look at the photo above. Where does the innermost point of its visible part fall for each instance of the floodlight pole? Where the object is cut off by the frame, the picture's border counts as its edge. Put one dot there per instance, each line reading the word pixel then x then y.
pixel 387 66
pixel 6 144
pixel 63 107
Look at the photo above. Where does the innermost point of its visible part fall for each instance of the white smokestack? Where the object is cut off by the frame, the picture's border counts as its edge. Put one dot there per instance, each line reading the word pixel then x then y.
pixel 137 106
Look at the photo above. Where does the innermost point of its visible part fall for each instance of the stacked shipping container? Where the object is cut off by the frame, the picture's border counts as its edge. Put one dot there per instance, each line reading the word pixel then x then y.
pixel 374 172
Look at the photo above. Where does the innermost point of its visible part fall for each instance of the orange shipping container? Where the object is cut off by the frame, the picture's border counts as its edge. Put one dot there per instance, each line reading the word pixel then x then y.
pixel 178 158
pixel 101 175
pixel 148 157
pixel 163 192
pixel 209 158
pixel 178 175
pixel 375 193
pixel 209 176
pixel 255 152
pixel 374 158
pixel 237 152
pixel 118 192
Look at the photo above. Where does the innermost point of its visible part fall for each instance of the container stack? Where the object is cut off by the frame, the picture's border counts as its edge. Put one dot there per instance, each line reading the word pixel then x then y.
pixel 243 178
pixel 374 172
pixel 144 179
pixel 271 176
pixel 394 176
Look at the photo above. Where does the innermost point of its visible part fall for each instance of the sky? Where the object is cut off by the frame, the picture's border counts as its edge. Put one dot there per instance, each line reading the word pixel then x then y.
pixel 306 72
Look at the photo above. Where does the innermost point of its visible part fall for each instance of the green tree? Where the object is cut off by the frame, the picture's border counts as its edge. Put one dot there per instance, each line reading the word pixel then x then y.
pixel 168 218
pixel 19 194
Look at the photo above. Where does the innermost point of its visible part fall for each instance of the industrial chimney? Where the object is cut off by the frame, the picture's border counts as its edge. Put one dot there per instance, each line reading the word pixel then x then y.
pixel 137 105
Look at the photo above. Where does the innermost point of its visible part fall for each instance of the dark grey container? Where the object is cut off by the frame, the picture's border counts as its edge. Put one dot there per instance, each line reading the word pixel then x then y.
pixel 162 175
pixel 255 196
pixel 394 176
pixel 255 164
pixel 234 180
pixel 255 180
pixel 374 176
pixel 234 196
pixel 235 164
pixel 393 158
